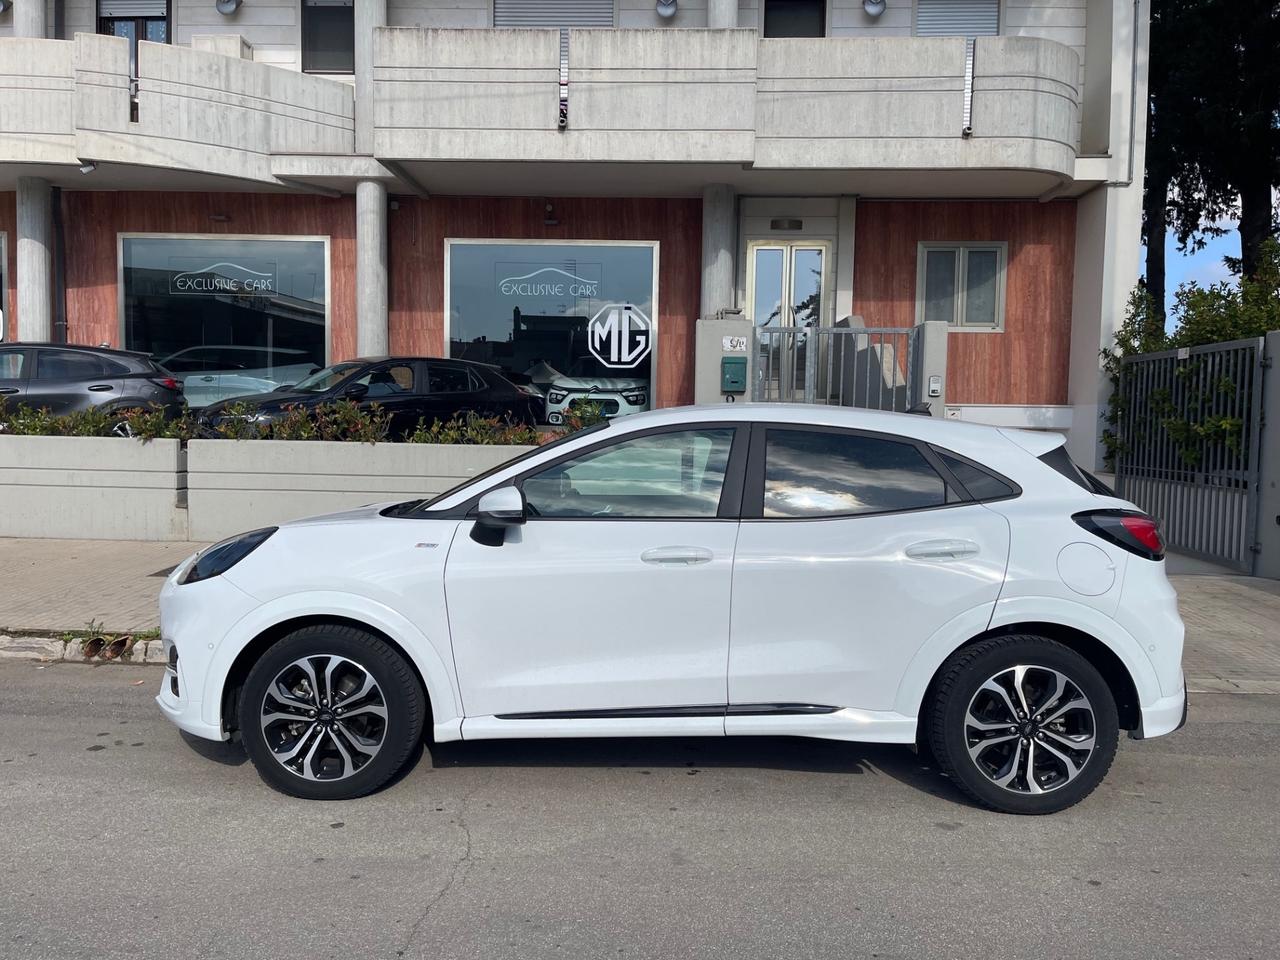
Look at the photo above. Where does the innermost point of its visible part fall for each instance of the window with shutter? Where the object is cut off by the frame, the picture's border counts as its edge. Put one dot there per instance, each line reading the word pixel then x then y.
pixel 553 13
pixel 957 18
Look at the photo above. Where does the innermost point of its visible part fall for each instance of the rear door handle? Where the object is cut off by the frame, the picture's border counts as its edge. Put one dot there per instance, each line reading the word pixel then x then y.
pixel 942 550
pixel 677 556
pixel 99 387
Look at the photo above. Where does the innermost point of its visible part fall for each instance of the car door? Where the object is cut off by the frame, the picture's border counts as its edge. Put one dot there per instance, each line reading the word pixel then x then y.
pixel 611 602
pixel 452 390
pixel 853 551
pixel 394 388
pixel 15 367
pixel 67 380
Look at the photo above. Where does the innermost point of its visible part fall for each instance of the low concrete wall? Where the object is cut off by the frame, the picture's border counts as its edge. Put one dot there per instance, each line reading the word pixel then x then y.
pixel 237 485
pixel 92 488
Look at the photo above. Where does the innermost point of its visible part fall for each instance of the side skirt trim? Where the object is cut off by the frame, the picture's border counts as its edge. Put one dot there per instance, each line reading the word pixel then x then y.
pixel 707 710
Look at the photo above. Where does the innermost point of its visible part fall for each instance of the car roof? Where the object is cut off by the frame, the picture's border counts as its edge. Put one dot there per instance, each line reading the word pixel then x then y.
pixel 926 428
pixel 80 347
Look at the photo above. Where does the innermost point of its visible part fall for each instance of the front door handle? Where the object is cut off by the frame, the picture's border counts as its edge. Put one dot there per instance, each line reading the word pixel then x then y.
pixel 8 390
pixel 99 387
pixel 677 556
pixel 943 550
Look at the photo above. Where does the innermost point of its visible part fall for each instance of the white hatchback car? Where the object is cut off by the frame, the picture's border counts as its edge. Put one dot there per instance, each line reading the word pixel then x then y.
pixel 706 571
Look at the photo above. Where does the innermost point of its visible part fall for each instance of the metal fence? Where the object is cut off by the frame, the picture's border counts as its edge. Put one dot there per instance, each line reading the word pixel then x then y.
pixel 1188 429
pixel 841 365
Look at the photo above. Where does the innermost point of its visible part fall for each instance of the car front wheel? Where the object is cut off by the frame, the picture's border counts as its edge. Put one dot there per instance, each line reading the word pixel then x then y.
pixel 330 712
pixel 1023 724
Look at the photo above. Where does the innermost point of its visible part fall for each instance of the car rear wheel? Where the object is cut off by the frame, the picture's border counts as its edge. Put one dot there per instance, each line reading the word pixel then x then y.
pixel 1023 724
pixel 331 712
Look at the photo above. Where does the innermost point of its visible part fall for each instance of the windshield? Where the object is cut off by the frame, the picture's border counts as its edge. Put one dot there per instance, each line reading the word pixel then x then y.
pixel 328 378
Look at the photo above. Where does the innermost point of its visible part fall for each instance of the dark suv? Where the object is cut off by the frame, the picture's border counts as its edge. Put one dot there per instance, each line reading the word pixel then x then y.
pixel 63 378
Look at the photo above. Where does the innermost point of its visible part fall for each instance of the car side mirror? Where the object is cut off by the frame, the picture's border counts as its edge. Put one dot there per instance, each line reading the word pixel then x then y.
pixel 357 391
pixel 497 510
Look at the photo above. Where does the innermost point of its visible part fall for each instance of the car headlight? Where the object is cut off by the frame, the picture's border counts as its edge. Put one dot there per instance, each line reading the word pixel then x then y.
pixel 557 396
pixel 635 399
pixel 221 557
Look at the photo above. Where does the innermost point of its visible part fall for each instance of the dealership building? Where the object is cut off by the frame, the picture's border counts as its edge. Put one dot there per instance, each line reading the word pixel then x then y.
pixel 307 181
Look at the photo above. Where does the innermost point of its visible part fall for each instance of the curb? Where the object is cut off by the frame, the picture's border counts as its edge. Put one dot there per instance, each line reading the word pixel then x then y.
pixel 54 650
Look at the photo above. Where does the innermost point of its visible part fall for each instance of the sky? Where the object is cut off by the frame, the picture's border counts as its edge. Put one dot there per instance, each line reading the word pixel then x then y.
pixel 1204 267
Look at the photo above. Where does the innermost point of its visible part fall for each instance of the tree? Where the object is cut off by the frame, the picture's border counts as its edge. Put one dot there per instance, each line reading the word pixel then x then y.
pixel 1213 145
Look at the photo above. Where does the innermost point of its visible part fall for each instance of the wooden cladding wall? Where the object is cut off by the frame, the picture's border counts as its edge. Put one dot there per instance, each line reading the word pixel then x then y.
pixel 1028 362
pixel 419 228
pixel 9 229
pixel 94 219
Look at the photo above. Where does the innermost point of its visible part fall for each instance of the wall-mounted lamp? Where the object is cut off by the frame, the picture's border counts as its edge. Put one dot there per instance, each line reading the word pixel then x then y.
pixel 227 7
pixel 666 9
pixel 88 167
pixel 873 8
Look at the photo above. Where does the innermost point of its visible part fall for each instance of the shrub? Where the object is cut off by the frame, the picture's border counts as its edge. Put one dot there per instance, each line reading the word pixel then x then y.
pixel 475 429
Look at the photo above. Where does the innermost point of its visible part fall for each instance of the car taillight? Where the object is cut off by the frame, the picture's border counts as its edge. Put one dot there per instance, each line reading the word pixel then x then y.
pixel 1134 531
pixel 168 383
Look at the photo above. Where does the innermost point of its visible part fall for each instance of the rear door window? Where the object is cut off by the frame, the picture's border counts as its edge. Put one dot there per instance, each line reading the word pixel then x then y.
pixel 828 473
pixel 71 365
pixel 443 378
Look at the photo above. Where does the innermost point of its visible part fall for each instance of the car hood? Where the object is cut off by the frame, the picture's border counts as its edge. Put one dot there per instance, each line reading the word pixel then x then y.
pixel 354 515
pixel 599 383
pixel 260 401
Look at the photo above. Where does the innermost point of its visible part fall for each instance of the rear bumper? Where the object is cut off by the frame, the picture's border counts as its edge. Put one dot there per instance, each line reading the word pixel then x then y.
pixel 1162 717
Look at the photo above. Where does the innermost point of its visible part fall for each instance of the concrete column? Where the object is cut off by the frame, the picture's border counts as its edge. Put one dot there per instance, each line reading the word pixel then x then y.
pixel 35 258
pixel 718 241
pixel 369 14
pixel 722 14
pixel 30 19
pixel 372 339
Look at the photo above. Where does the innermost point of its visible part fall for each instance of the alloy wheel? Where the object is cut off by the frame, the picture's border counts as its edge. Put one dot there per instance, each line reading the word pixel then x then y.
pixel 1030 729
pixel 323 717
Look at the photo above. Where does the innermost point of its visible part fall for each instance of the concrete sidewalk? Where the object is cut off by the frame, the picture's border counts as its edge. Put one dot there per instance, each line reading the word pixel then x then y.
pixel 1233 622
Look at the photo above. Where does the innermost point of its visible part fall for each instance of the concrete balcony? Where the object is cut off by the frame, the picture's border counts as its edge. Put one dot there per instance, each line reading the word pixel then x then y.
pixel 668 96
pixel 900 103
pixel 186 112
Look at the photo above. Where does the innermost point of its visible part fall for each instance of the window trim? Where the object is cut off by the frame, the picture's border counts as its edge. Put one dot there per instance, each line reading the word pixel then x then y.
pixel 962 248
pixel 302 47
pixel 121 237
pixel 730 506
pixel 753 491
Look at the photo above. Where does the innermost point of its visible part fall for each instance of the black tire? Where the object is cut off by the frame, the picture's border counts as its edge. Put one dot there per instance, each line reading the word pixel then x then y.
pixel 397 691
pixel 951 733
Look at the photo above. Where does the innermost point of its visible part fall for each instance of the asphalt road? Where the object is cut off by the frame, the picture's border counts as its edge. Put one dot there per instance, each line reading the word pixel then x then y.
pixel 120 838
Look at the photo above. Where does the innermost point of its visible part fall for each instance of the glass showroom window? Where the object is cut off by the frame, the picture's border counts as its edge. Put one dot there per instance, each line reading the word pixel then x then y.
pixel 229 317
pixel 328 36
pixel 962 284
pixel 574 320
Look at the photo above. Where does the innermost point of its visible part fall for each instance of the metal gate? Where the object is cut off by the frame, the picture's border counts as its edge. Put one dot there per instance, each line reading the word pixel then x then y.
pixel 1188 431
pixel 841 365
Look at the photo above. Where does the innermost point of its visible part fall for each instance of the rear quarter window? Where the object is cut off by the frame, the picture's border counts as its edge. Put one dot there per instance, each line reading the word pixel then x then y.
pixel 980 483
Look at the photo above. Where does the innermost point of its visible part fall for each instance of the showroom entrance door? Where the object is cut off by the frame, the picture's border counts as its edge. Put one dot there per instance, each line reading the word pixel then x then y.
pixel 788 285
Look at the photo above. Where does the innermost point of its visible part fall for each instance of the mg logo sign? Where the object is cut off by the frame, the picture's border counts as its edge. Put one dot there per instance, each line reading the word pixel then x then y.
pixel 620 336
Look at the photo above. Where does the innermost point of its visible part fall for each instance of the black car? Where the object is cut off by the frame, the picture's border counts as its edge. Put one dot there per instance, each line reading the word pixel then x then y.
pixel 408 388
pixel 63 378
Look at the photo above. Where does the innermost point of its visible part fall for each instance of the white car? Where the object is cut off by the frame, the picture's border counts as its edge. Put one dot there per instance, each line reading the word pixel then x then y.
pixel 704 571
pixel 617 396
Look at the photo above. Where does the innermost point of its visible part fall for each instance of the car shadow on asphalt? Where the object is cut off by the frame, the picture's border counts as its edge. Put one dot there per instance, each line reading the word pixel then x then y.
pixel 229 753
pixel 901 763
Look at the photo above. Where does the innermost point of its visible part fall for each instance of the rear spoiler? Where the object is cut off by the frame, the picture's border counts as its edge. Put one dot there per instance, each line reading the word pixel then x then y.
pixel 1035 442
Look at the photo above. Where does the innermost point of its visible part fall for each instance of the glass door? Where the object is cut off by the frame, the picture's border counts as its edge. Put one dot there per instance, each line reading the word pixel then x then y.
pixel 787 286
